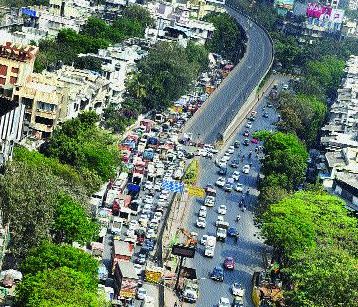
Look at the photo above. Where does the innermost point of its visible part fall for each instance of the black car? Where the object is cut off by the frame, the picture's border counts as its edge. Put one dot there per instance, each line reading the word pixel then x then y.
pixel 189 155
pixel 265 115
pixel 246 142
pixel 234 163
pixel 237 144
pixel 217 274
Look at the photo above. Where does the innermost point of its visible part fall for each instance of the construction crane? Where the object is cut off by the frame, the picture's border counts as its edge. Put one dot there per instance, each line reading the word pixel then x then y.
pixel 190 239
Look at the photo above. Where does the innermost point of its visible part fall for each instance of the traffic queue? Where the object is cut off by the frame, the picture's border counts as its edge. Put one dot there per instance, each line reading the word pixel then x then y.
pixel 131 208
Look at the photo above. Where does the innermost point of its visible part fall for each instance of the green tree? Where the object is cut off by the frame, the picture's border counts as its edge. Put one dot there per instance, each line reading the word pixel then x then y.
pixel 49 256
pixel 138 13
pixel 285 155
pixel 58 287
pixel 80 143
pixel 88 62
pixel 163 76
pixel 28 195
pixel 72 223
pixel 227 39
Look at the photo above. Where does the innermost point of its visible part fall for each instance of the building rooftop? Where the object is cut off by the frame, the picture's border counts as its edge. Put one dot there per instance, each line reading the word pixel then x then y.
pixel 18 52
pixel 127 269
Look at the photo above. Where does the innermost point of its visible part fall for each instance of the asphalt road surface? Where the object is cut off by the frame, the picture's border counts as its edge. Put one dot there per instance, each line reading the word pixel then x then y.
pixel 247 252
pixel 221 107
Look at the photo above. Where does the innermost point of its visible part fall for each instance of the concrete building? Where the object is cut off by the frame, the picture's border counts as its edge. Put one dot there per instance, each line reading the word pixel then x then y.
pixel 352 5
pixel 11 120
pixel 16 63
pixel 54 97
pixel 174 22
pixel 119 60
pixel 340 138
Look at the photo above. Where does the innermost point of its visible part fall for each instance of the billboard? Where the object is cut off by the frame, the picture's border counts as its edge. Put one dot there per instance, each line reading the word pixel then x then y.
pixel 184 251
pixel 324 16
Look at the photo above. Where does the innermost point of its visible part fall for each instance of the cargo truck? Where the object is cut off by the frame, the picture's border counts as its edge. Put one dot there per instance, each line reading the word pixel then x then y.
pixel 191 287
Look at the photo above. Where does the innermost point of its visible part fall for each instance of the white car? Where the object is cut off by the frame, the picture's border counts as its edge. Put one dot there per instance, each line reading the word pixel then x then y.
pixel 162 203
pixel 149 200
pixel 203 239
pixel 209 201
pixel 202 213
pixel 158 215
pixel 133 225
pixel 164 195
pixel 235 175
pixel 201 222
pixel 158 186
pixel 151 234
pixel 141 293
pixel 222 210
pixel 231 150
pixel 223 164
pixel 202 152
pixel 148 185
pixel 237 289
pixel 248 125
pixel 224 302
pixel 220 182
pixel 239 187
pixel 138 268
pixel 246 169
pixel 219 220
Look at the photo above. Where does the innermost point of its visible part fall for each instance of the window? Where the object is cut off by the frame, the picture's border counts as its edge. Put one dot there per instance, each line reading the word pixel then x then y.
pixel 43 121
pixel 15 70
pixel 13 80
pixel 47 107
pixel 2 81
pixel 3 70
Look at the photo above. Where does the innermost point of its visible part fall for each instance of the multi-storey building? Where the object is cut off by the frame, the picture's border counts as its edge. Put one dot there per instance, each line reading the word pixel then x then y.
pixel 53 97
pixel 16 65
pixel 340 138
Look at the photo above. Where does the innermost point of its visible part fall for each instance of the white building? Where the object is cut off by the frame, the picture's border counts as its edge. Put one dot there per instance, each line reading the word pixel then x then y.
pixel 341 138
pixel 175 22
pixel 11 120
pixel 117 62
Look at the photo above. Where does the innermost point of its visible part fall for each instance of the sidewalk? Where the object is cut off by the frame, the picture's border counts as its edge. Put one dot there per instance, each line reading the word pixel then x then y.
pixel 175 221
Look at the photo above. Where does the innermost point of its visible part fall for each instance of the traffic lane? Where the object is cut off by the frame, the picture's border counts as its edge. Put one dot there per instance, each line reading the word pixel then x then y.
pixel 242 81
pixel 217 119
pixel 247 252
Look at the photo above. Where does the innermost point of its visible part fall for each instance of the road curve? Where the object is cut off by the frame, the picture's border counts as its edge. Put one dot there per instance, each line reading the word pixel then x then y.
pixel 215 115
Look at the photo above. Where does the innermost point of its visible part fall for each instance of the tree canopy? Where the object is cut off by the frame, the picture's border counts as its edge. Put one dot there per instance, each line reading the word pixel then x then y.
pixel 72 223
pixel 95 34
pixel 58 287
pixel 49 256
pixel 285 159
pixel 316 239
pixel 301 114
pixel 80 143
pixel 227 39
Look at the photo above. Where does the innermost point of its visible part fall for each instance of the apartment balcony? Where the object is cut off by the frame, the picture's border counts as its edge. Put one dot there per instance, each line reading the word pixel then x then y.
pixel 42 127
pixel 46 114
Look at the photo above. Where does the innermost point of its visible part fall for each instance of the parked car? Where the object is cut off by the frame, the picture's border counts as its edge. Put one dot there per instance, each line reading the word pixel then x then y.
pixel 141 293
pixel 246 142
